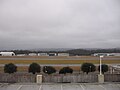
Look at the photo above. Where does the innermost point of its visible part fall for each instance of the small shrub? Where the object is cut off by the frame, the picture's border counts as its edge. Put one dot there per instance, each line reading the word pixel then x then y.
pixel 49 70
pixel 88 67
pixel 10 68
pixel 34 68
pixel 65 70
pixel 104 68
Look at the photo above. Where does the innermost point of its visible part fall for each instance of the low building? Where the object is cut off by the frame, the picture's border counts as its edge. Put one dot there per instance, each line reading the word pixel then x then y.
pixel 100 54
pixel 7 54
pixel 106 54
pixel 63 54
pixel 52 54
pixel 21 54
pixel 32 54
pixel 43 54
pixel 115 54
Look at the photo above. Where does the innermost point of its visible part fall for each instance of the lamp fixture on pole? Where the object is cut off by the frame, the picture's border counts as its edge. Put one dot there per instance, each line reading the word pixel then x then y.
pixel 101 64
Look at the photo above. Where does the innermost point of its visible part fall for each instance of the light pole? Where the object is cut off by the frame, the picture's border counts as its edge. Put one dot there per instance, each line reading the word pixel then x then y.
pixel 101 65
pixel 101 76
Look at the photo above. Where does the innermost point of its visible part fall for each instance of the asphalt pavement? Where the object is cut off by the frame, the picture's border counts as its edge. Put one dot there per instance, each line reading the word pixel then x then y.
pixel 60 86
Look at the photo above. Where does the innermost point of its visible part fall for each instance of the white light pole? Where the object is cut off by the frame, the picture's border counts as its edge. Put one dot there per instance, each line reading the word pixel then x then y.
pixel 101 76
pixel 101 65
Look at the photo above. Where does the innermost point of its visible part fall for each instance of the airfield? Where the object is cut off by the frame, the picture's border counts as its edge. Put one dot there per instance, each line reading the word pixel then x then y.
pixel 58 62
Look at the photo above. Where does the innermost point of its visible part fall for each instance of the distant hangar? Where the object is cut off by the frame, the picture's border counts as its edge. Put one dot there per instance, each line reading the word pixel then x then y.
pixel 7 54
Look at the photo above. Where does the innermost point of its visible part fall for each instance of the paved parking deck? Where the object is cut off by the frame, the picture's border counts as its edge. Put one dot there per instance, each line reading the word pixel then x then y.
pixel 69 86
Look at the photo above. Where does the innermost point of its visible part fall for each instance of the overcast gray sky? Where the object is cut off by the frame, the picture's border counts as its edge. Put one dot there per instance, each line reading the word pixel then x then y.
pixel 29 24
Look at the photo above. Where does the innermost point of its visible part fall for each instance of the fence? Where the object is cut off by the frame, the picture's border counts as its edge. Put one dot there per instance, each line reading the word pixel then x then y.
pixel 17 77
pixel 74 78
pixel 70 78
pixel 112 78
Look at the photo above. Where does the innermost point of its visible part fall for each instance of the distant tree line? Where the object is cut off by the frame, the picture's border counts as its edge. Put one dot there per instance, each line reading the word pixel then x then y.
pixel 72 52
pixel 32 51
pixel 80 52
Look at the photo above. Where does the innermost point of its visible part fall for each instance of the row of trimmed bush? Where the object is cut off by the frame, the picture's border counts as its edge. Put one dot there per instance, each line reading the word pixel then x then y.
pixel 36 68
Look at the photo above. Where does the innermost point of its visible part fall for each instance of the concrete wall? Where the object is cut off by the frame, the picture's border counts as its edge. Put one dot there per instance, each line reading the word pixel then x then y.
pixel 26 77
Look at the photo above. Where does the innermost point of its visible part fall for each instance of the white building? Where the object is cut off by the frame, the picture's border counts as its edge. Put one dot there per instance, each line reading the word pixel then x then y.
pixel 100 54
pixel 7 54
pixel 32 54
pixel 106 54
pixel 115 54
pixel 43 54
pixel 63 54
pixel 21 55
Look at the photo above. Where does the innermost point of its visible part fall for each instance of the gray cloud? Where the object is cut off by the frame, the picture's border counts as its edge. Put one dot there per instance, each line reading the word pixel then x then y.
pixel 26 24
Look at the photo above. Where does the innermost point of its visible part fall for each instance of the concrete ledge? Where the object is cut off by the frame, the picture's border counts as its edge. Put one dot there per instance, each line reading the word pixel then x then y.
pixel 39 79
pixel 100 78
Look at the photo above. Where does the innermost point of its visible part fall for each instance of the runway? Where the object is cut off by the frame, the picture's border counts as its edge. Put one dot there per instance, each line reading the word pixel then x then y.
pixel 56 58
